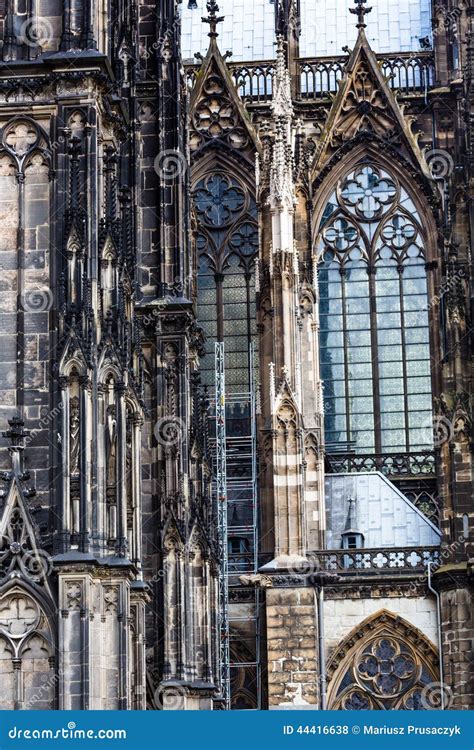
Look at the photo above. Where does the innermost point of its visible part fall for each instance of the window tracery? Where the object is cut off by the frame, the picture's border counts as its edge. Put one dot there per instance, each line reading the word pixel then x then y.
pixel 227 244
pixel 384 665
pixel 386 674
pixel 26 648
pixel 374 315
pixel 215 116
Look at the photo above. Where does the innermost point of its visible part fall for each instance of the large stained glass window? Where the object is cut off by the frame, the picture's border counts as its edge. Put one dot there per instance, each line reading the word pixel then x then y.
pixel 374 337
pixel 227 243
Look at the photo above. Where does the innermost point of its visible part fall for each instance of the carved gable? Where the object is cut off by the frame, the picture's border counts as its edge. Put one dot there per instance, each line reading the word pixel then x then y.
pixel 20 555
pixel 217 112
pixel 366 104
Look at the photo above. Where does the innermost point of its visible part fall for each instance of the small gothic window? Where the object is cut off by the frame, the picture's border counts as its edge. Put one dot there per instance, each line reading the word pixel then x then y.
pixel 227 244
pixel 352 541
pixel 375 355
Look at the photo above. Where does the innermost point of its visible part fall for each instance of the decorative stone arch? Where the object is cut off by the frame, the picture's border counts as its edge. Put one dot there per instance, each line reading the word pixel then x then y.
pixel 21 137
pixel 72 362
pixel 76 122
pixel 108 366
pixel 384 663
pixel 366 148
pixel 375 224
pixel 133 428
pixel 27 649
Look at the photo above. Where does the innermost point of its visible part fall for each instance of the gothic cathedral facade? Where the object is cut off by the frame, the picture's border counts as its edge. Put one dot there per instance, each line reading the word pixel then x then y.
pixel 235 354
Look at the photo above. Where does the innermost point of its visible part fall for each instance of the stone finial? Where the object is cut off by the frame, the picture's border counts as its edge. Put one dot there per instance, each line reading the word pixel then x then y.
pixel 360 11
pixel 282 194
pixel 281 104
pixel 212 19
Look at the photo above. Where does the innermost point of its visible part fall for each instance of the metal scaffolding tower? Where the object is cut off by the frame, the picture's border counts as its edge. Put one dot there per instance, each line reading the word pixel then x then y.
pixel 221 495
pixel 235 493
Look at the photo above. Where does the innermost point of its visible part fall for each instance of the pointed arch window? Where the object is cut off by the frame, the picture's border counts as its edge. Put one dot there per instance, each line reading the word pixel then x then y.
pixel 374 338
pixel 385 674
pixel 385 664
pixel 227 244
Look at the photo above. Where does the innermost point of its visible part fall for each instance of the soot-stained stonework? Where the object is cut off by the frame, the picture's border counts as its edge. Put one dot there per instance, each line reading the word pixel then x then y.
pixel 316 216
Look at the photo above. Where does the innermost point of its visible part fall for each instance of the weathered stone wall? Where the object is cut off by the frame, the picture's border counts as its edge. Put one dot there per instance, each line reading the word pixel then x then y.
pixel 292 655
pixel 457 613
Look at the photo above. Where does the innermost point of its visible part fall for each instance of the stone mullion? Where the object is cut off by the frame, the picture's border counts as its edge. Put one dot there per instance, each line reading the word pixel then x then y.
pixel 139 703
pixel 85 656
pixel 136 552
pixel 190 672
pixel 17 683
pixel 374 361
pixel 9 48
pixel 85 462
pixel 20 314
pixel 123 625
pixel 64 524
pixel 206 639
pixel 180 617
pixel 168 562
pixel 121 461
pixel 99 517
pixel 87 37
pixel 67 35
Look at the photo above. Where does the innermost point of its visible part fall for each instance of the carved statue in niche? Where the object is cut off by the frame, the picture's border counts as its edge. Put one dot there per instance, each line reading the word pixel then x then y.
pixel 111 449
pixel 74 454
pixel 111 470
pixel 74 429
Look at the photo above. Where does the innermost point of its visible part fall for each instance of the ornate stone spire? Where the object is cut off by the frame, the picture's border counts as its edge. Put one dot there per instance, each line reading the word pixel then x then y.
pixel 281 100
pixel 282 192
pixel 360 11
pixel 212 19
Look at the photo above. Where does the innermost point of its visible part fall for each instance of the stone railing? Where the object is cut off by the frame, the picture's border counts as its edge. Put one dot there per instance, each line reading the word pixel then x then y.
pixel 393 560
pixel 318 77
pixel 395 465
pixel 408 74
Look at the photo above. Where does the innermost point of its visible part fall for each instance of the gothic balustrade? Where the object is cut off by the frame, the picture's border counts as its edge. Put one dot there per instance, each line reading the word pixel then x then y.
pixel 394 465
pixel 407 73
pixel 406 559
pixel 318 77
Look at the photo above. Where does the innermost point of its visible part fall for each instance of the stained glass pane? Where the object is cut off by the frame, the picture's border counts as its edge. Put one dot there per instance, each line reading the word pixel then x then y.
pixel 227 244
pixel 372 216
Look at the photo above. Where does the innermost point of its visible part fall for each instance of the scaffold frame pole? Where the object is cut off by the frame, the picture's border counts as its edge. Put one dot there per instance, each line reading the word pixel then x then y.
pixel 221 495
